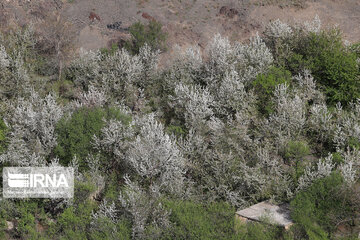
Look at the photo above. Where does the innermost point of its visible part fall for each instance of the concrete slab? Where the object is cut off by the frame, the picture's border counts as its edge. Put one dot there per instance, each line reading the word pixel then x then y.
pixel 278 214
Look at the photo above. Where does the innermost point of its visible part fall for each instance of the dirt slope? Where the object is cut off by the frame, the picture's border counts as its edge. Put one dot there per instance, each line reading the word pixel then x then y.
pixel 186 21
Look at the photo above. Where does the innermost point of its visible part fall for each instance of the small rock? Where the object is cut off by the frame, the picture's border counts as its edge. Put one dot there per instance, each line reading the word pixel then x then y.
pixel 94 16
pixel 117 26
pixel 147 16
pixel 10 225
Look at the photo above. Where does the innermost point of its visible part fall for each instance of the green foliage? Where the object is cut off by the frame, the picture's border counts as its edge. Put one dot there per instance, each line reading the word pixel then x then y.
pixel 44 66
pixel 354 143
pixel 3 132
pixel 3 227
pixel 75 134
pixel 83 189
pixel 196 221
pixel 332 64
pixel 109 51
pixel 318 209
pixel 21 40
pixel 7 209
pixel 337 158
pixel 176 130
pixel 355 48
pixel 105 229
pixel 255 231
pixel 26 222
pixel 191 220
pixel 112 188
pixel 64 89
pixel 265 84
pixel 294 154
pixel 74 222
pixel 150 34
pixel 296 150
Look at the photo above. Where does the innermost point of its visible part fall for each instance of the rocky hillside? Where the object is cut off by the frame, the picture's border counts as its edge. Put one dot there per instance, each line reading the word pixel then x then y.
pixel 100 23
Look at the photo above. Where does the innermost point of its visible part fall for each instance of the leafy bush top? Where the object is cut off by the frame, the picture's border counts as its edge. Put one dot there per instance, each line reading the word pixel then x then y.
pixel 75 134
pixel 150 34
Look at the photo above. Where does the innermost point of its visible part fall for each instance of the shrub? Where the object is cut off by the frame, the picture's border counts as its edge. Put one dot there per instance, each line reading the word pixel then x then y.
pixel 106 229
pixel 73 223
pixel 319 209
pixel 21 41
pixel 32 137
pixel 332 64
pixel 3 131
pixel 45 67
pixel 294 154
pixel 83 190
pixel 109 51
pixel 26 223
pixel 3 227
pixel 354 143
pixel 64 89
pixel 255 231
pixel 14 78
pixel 265 85
pixel 337 158
pixel 296 150
pixel 176 130
pixel 111 190
pixel 150 34
pixel 76 133
pixel 356 49
pixel 193 220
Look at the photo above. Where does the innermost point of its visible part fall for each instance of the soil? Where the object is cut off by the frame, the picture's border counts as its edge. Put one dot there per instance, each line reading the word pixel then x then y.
pixel 99 23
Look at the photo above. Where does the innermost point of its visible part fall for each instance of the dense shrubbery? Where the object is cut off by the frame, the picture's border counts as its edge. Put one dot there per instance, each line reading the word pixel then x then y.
pixel 333 64
pixel 296 150
pixel 195 221
pixel 320 209
pixel 76 133
pixel 150 34
pixel 171 153
pixel 265 84
pixel 3 132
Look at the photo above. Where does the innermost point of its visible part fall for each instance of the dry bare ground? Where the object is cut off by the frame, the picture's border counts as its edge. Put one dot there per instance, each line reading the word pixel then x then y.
pixel 185 21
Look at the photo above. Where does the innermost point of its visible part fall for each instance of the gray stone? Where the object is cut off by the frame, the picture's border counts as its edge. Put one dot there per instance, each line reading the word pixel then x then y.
pixel 10 225
pixel 277 214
